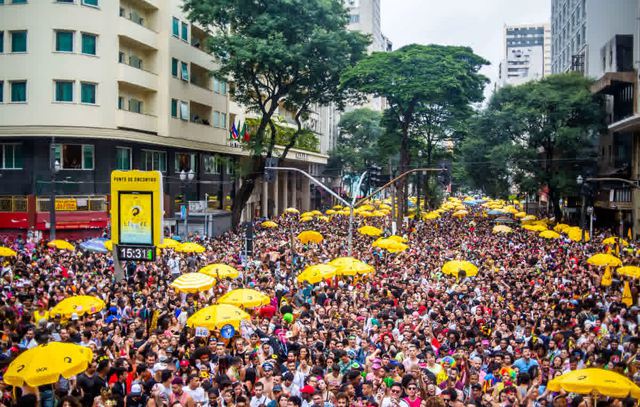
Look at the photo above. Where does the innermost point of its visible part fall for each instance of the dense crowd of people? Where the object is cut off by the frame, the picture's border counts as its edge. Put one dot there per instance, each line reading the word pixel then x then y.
pixel 405 336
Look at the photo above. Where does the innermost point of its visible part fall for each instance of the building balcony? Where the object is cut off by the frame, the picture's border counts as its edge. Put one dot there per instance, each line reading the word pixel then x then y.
pixel 136 121
pixel 614 199
pixel 197 132
pixel 138 33
pixel 137 77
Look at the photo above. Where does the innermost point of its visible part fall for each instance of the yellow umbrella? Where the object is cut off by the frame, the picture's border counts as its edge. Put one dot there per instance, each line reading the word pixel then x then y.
pixel 307 215
pixel 615 240
pixel 396 247
pixel 6 252
pixel 370 231
pixel 79 304
pixel 216 316
pixel 534 228
pixel 549 234
pixel 44 364
pixel 330 212
pixel 244 297
pixel 629 271
pixel 192 283
pixel 323 218
pixel 602 259
pixel 366 207
pixel 384 206
pixel 594 381
pixel 399 239
pixel 520 215
pixel 219 271
pixel 168 243
pixel 575 234
pixel 316 273
pixel 337 207
pixel 310 236
pixel 460 213
pixel 431 216
pixel 316 212
pixel 190 247
pixel 561 227
pixel 528 218
pixel 306 219
pixel 269 224
pixel 453 267
pixel 108 244
pixel 502 229
pixel 61 245
pixel 291 210
pixel 349 266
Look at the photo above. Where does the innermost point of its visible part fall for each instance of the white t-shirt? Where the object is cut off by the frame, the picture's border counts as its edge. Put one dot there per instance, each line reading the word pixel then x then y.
pixel 256 401
pixel 387 402
pixel 198 395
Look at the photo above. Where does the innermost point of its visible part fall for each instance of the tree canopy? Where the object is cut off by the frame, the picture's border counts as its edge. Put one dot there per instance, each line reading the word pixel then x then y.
pixel 278 54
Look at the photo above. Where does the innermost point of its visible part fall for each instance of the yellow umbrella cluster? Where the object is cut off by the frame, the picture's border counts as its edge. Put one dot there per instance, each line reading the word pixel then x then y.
pixel 216 316
pixel 454 267
pixel 502 229
pixel 168 243
pixel 392 244
pixel 615 240
pixel 244 297
pixel 61 245
pixel 629 271
pixel 7 252
pixel 370 231
pixel 219 271
pixel 189 247
pixel 460 213
pixel 317 273
pixel 192 283
pixel 549 234
pixel 534 228
pixel 603 259
pixel 79 304
pixel 310 236
pixel 349 266
pixel 269 224
pixel 598 382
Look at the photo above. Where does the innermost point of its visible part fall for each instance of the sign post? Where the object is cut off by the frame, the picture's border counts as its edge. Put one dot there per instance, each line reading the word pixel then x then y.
pixel 136 216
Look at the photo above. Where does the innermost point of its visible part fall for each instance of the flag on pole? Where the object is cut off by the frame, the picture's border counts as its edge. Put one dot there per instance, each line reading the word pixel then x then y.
pixel 245 132
pixel 626 295
pixel 234 131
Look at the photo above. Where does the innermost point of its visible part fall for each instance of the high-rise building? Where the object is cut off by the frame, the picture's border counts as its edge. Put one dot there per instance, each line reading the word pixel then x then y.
pixel 579 28
pixel 527 53
pixel 89 86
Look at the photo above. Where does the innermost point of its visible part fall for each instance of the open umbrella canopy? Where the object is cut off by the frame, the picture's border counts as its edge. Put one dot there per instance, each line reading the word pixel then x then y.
pixel 310 236
pixel 108 244
pixel 291 210
pixel 595 381
pixel 216 316
pixel 349 266
pixel 192 283
pixel 575 233
pixel 528 218
pixel 454 267
pixel 7 252
pixel 79 304
pixel 502 229
pixel 615 240
pixel 534 228
pixel 603 259
pixel 460 213
pixel 561 227
pixel 495 212
pixel 95 245
pixel 399 239
pixel 430 216
pixel 244 297
pixel 370 231
pixel 519 215
pixel 306 218
pixel 269 224
pixel 44 364
pixel 218 270
pixel 61 245
pixel 317 273
pixel 307 215
pixel 629 271
pixel 190 247
pixel 330 212
pixel 549 234
pixel 168 243
pixel 396 247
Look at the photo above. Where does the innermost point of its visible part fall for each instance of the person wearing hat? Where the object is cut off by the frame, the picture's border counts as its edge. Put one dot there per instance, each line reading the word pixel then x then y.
pixel 306 393
pixel 136 397
pixel 267 378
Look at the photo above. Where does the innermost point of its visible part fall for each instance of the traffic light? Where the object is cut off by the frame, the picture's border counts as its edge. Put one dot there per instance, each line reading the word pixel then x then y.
pixel 270 174
pixel 375 175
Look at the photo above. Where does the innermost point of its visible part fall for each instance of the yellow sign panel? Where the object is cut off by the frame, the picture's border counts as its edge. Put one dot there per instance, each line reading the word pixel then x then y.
pixel 67 205
pixel 136 207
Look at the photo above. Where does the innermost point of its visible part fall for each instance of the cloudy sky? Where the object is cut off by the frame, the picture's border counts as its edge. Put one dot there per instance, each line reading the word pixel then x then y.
pixel 476 23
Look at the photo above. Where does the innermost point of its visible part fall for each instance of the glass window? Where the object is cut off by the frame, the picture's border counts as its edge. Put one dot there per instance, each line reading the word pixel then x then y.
pixel 64 41
pixel 123 158
pixel 212 164
pixel 18 41
pixel 184 110
pixel 174 67
pixel 216 119
pixel 89 43
pixel 88 93
pixel 154 160
pixel 135 105
pixel 19 91
pixel 185 31
pixel 174 108
pixel 230 167
pixel 64 91
pixel 18 1
pixel 75 156
pixel 185 71
pixel 176 27
pixel 223 120
pixel 185 162
pixel 11 156
pixel 90 3
pixel 65 1
pixel 1 91
pixel 87 157
pixel 1 42
pixel 216 86
pixel 223 87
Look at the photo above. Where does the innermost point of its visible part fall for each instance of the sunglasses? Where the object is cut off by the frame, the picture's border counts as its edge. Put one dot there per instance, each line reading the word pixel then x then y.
pixel 412 388
pixel 396 391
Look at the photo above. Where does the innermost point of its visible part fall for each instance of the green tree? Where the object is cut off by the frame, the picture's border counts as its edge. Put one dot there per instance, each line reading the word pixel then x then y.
pixel 278 54
pixel 427 87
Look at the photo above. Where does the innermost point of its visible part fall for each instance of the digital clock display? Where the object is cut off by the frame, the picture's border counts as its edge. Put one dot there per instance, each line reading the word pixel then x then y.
pixel 136 253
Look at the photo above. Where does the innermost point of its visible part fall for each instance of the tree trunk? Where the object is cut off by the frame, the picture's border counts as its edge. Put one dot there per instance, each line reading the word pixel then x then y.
pixel 402 184
pixel 245 191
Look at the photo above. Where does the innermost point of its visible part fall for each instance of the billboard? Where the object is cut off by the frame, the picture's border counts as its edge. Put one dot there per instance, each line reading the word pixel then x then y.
pixel 136 207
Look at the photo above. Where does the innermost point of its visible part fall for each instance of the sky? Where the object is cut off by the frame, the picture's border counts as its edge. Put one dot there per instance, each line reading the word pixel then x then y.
pixel 474 23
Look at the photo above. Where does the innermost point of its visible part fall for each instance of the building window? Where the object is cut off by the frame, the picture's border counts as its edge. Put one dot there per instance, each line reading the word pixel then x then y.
pixel 230 167
pixel 18 91
pixel 123 158
pixel 65 1
pixel 18 1
pixel 185 71
pixel 154 160
pixel 223 87
pixel 64 41
pixel 75 156
pixel 184 110
pixel 223 120
pixel 89 44
pixel 135 105
pixel 174 108
pixel 174 67
pixel 185 31
pixel 1 91
pixel 219 87
pixel 64 91
pixel 212 164
pixel 1 42
pixel 354 18
pixel 18 41
pixel 11 156
pixel 185 162
pixel 88 93
pixel 176 27
pixel 93 3
pixel 216 119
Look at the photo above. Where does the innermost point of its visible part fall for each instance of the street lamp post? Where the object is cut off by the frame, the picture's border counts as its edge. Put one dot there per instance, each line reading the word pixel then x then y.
pixel 54 168
pixel 581 184
pixel 185 179
pixel 419 186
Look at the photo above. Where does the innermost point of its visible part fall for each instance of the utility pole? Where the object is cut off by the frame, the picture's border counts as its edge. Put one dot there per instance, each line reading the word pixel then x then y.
pixel 54 167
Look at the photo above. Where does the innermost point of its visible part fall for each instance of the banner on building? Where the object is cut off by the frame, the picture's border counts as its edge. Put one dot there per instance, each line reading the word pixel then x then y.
pixel 66 204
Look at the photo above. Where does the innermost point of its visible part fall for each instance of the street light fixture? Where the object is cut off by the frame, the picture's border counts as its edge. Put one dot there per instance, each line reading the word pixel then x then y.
pixel 580 181
pixel 185 179
pixel 55 169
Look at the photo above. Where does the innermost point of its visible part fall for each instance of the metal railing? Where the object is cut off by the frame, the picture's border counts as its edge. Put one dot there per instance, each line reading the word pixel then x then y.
pixel 86 203
pixel 13 203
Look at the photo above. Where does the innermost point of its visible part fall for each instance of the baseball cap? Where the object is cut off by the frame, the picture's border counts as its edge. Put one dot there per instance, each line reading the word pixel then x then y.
pixel 74 317
pixel 277 387
pixel 307 389
pixel 136 389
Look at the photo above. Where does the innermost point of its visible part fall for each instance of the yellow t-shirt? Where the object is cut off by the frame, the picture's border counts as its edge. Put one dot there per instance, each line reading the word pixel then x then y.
pixel 37 315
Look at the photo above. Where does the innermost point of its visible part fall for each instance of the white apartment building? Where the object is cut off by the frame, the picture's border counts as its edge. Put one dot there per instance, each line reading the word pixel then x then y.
pixel 527 53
